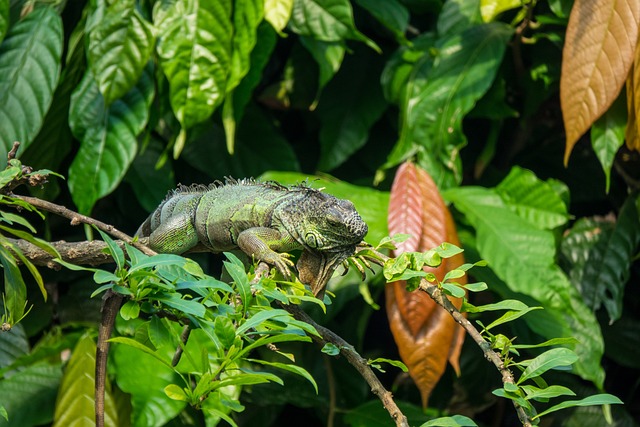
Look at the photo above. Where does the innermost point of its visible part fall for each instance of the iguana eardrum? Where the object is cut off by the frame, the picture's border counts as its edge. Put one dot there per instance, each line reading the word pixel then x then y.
pixel 265 220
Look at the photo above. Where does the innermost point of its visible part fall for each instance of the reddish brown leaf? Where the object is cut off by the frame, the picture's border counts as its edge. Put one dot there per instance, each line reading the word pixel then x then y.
pixel 598 52
pixel 426 335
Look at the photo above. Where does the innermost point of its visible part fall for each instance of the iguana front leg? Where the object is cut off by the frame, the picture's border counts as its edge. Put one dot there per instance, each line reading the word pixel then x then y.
pixel 261 243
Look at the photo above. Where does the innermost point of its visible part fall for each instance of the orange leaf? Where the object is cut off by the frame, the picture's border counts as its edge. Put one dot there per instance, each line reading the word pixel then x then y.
pixel 426 335
pixel 633 104
pixel 598 52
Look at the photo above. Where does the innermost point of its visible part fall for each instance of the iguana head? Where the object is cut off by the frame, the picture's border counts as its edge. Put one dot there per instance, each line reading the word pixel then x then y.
pixel 329 229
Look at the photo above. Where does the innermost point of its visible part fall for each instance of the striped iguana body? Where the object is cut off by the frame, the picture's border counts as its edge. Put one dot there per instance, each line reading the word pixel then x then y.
pixel 265 220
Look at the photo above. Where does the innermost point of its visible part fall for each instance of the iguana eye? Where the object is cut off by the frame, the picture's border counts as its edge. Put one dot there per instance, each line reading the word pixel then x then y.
pixel 312 241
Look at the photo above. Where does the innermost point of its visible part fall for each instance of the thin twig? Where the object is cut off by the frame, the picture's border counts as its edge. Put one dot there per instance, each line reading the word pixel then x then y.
pixel 184 337
pixel 349 353
pixel 441 299
pixel 77 218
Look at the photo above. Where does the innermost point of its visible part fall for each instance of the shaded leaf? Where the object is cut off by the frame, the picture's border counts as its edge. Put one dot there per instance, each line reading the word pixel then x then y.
pixel 426 335
pixel 440 95
pixel 120 45
pixel 15 290
pixel 393 14
pixel 328 55
pixel 535 250
pixel 349 106
pixel 607 136
pixel 598 399
pixel 33 387
pixel 30 58
pixel 4 18
pixel 108 138
pixel 591 79
pixel 632 131
pixel 458 15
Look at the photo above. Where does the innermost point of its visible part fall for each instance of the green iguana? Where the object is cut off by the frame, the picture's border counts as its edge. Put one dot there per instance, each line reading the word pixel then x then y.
pixel 265 220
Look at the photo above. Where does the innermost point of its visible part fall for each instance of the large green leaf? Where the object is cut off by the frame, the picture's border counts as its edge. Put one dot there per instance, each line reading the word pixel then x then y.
pixel 608 268
pixel 30 67
pixel 350 105
pixel 75 403
pixel 108 138
pixel 393 14
pixel 440 95
pixel 4 18
pixel 194 45
pixel 15 290
pixel 145 378
pixel 523 256
pixel 120 45
pixel 29 395
pixel 371 204
pixel 326 20
pixel 534 200
pixel 13 344
pixel 458 15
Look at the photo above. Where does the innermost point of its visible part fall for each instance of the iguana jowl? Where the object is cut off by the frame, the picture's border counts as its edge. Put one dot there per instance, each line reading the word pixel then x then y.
pixel 265 220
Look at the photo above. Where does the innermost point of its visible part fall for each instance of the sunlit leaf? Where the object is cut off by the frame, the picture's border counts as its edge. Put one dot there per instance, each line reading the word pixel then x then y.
pixel 591 79
pixel 75 402
pixel 277 13
pixel 30 58
pixel 120 46
pixel 548 360
pixel 598 399
pixel 108 138
pixel 607 136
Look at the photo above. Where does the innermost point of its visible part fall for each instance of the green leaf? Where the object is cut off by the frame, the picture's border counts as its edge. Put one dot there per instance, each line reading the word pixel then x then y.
pixel 262 316
pixel 454 290
pixel 510 304
pixel 4 24
pixel 108 138
pixel 348 108
pixel 326 20
pixel 330 349
pixel 75 402
pixel 396 363
pixel 239 276
pixel 30 58
pixel 548 360
pixel 532 199
pixel 371 204
pixel 290 368
pixel 116 251
pixel 598 399
pixel 158 260
pixel 15 290
pixel 391 13
pixel 194 45
pixel 185 306
pixel 13 345
pixel 176 393
pixel 540 394
pixel 120 46
pixel 440 95
pixel 328 56
pixel 458 15
pixel 607 268
pixel 139 346
pixel 492 8
pixel 510 316
pixel 454 421
pixel 607 136
pixel 130 310
pixel 144 376
pixel 36 386
pixel 535 251
pixel 225 331
pixel 277 13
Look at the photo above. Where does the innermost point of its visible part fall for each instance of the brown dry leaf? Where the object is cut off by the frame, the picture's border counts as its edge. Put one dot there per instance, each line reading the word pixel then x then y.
pixel 633 104
pixel 598 52
pixel 426 335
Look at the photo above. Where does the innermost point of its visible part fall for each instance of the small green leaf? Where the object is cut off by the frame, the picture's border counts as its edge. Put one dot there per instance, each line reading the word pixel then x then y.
pixel 130 310
pixel 510 316
pixel 262 316
pixel 176 393
pixel 15 290
pixel 607 136
pixel 225 331
pixel 291 368
pixel 511 388
pixel 3 412
pixel 454 421
pixel 157 261
pixel 508 304
pixel 330 349
pixel 396 363
pixel 598 399
pixel 476 287
pixel 186 306
pixel 453 290
pixel 116 251
pixel 277 13
pixel 548 360
pixel 543 394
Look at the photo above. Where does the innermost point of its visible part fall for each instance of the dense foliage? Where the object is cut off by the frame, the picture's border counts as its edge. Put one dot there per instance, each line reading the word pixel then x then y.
pixel 125 99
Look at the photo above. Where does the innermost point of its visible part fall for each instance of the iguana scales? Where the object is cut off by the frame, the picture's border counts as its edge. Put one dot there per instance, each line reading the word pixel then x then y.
pixel 265 220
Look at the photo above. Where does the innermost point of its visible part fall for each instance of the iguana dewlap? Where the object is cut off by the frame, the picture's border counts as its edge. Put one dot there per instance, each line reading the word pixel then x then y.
pixel 264 220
